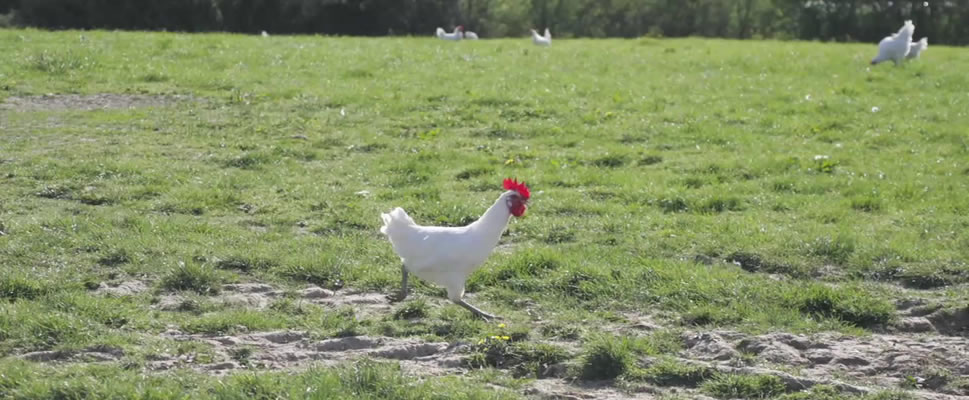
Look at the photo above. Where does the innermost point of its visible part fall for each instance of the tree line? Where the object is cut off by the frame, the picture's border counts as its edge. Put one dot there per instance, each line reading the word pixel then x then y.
pixel 943 21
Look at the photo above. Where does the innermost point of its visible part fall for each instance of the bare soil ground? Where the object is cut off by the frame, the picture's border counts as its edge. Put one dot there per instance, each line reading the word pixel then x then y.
pixel 924 348
pixel 101 101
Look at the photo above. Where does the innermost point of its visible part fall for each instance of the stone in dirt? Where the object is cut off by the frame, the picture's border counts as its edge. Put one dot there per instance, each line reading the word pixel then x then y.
pixel 775 349
pixel 708 346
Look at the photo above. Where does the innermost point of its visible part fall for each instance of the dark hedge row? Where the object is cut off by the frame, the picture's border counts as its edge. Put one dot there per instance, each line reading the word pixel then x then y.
pixel 943 21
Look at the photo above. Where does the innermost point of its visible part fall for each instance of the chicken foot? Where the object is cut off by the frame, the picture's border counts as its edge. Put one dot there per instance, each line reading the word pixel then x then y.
pixel 474 310
pixel 403 286
pixel 404 291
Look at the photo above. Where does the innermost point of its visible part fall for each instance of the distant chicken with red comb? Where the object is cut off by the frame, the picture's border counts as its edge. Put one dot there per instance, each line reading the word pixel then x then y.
pixel 446 255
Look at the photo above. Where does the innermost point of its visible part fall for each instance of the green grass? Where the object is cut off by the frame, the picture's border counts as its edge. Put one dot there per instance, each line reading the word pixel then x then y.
pixel 672 373
pixel 361 380
pixel 523 358
pixel 744 387
pixel 656 165
pixel 200 279
pixel 609 357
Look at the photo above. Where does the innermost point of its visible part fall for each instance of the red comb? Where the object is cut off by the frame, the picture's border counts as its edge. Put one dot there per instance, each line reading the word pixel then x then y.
pixel 519 187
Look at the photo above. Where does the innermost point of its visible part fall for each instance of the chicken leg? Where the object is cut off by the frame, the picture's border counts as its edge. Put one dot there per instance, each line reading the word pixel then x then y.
pixel 403 286
pixel 474 310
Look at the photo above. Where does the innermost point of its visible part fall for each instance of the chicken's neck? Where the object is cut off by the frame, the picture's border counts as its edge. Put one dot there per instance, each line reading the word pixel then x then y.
pixel 493 221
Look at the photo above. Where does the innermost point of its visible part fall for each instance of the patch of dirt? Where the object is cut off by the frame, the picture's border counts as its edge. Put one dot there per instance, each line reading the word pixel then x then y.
pixel 924 350
pixel 260 296
pixel 638 324
pixel 922 316
pixel 75 102
pixel 119 289
pixel 558 389
pixel 91 354
pixel 951 321
pixel 879 360
pixel 296 349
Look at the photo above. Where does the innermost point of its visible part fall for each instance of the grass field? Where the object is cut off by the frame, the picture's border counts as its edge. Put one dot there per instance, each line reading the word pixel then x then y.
pixel 690 186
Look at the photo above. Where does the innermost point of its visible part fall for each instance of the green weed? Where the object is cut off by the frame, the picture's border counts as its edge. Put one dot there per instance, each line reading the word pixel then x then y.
pixel 728 386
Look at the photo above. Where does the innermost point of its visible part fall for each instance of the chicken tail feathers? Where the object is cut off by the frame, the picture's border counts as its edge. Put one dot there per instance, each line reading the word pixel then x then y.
pixel 395 219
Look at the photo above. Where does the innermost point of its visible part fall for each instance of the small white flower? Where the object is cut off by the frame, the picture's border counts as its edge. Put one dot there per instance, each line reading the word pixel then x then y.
pixel 820 157
pixel 807 97
pixel 875 109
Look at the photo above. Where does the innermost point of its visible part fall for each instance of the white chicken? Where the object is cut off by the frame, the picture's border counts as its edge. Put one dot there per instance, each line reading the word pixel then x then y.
pixel 470 35
pixel 456 35
pixel 917 48
pixel 448 255
pixel 541 40
pixel 895 47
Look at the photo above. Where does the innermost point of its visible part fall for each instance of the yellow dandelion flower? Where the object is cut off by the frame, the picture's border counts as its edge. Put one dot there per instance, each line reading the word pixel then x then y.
pixel 501 325
pixel 506 338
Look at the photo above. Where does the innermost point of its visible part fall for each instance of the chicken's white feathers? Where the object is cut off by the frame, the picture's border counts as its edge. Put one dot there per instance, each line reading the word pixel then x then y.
pixel 446 255
pixel 542 40
pixel 895 47
pixel 395 220
pixel 456 35
pixel 470 35
pixel 917 48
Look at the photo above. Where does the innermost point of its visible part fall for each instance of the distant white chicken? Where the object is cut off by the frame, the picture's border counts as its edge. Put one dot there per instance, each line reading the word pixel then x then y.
pixel 456 35
pixel 917 48
pixel 447 256
pixel 540 40
pixel 895 47
pixel 470 35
